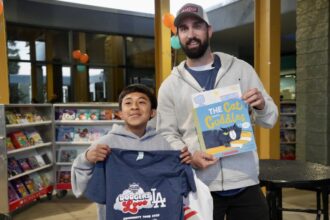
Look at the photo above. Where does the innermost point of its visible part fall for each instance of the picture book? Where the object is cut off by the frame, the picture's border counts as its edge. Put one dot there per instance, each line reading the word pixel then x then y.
pixel 67 114
pixel 83 114
pixel 222 122
pixel 46 178
pixel 38 183
pixel 67 154
pixel 19 139
pixel 12 195
pixel 33 137
pixel 94 114
pixel 97 132
pixel 106 114
pixel 33 162
pixel 11 117
pixel 20 188
pixel 40 160
pixel 29 184
pixel 45 157
pixel 24 164
pixel 64 176
pixel 65 134
pixel 9 144
pixel 81 134
pixel 13 167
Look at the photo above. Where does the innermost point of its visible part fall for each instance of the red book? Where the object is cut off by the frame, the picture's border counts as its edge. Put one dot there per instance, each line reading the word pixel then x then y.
pixel 19 139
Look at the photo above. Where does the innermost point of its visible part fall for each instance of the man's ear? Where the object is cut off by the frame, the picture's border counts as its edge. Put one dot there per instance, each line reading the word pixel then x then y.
pixel 153 113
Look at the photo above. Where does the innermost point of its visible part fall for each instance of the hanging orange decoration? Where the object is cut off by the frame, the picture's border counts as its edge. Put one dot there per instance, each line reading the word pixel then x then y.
pixel 84 58
pixel 173 29
pixel 1 7
pixel 168 20
pixel 76 54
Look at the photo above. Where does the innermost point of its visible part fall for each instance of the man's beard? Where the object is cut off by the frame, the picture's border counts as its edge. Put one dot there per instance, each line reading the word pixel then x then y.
pixel 195 53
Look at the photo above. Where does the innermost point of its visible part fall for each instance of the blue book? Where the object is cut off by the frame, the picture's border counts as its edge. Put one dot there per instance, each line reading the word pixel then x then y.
pixel 224 128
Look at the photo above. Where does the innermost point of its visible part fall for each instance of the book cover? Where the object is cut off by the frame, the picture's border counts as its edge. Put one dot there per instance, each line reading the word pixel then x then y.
pixel 33 162
pixel 29 184
pixel 38 182
pixel 97 132
pixel 40 160
pixel 106 114
pixel 11 117
pixel 83 114
pixel 13 167
pixel 46 178
pixel 24 164
pixel 12 195
pixel 81 134
pixel 94 114
pixel 223 127
pixel 45 157
pixel 67 114
pixel 33 137
pixel 19 139
pixel 66 154
pixel 64 176
pixel 20 188
pixel 65 134
pixel 9 144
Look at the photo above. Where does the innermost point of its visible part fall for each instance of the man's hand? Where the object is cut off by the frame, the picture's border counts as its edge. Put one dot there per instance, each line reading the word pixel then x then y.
pixel 185 156
pixel 202 160
pixel 98 153
pixel 254 98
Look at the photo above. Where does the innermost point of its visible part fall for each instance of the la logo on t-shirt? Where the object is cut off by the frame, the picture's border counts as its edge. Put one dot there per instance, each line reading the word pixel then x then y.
pixel 134 198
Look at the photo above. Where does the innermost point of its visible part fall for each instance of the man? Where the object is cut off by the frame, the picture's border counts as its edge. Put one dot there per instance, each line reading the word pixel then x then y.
pixel 233 180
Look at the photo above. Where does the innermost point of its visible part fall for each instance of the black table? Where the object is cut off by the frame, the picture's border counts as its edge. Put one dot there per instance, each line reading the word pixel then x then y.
pixel 278 174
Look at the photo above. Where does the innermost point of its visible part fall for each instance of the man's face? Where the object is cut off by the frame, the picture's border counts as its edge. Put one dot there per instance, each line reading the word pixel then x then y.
pixel 194 37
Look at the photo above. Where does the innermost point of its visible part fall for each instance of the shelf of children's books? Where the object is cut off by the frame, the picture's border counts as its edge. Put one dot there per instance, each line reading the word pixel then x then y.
pixel 288 114
pixel 287 128
pixel 29 172
pixel 30 198
pixel 31 124
pixel 73 143
pixel 63 186
pixel 288 143
pixel 89 122
pixel 63 163
pixel 29 148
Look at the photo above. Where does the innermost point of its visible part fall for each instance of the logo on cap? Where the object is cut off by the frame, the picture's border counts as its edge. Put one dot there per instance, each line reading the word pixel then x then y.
pixel 189 9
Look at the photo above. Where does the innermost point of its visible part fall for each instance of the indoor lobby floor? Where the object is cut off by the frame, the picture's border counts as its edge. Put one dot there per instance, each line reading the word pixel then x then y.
pixel 70 208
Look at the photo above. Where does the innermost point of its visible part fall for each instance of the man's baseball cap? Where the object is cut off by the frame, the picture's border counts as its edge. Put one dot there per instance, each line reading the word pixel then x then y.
pixel 191 10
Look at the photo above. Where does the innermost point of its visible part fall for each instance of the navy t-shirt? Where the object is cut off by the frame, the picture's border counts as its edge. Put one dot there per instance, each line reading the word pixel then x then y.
pixel 141 185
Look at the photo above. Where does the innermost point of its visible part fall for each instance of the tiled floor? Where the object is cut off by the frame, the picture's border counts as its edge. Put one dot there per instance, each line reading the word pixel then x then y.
pixel 70 208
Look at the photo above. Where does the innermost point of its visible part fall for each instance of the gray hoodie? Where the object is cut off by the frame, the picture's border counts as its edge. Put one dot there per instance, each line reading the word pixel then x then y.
pixel 175 120
pixel 118 137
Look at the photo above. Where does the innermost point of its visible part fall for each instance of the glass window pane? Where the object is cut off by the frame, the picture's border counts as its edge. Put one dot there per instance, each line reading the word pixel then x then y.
pixel 66 87
pixel 97 85
pixel 19 50
pixel 140 52
pixel 40 50
pixel 20 82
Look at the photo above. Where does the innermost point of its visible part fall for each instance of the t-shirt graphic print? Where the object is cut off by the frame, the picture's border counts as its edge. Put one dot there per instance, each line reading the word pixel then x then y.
pixel 141 185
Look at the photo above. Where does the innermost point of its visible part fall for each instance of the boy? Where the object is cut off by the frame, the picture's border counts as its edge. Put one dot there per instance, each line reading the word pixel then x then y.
pixel 137 106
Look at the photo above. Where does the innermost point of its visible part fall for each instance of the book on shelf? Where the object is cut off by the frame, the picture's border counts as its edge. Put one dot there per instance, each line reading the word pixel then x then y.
pixel 9 144
pixel 67 114
pixel 83 114
pixel 12 194
pixel 40 160
pixel 46 178
pixel 67 154
pixel 64 175
pixel 94 114
pixel 20 188
pixel 19 139
pixel 29 184
pixel 81 134
pixel 97 132
pixel 33 162
pixel 38 182
pixel 13 167
pixel 24 164
pixel 223 122
pixel 287 136
pixel 46 158
pixel 33 137
pixel 11 117
pixel 106 114
pixel 65 134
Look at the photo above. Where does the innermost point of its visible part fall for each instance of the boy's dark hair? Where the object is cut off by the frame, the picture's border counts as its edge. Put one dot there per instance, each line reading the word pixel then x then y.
pixel 138 88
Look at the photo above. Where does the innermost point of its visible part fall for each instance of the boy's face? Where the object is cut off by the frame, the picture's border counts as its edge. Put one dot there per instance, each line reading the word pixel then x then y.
pixel 136 111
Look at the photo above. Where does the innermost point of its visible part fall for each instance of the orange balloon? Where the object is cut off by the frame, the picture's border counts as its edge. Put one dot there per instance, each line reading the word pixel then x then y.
pixel 1 7
pixel 168 20
pixel 76 54
pixel 174 29
pixel 84 58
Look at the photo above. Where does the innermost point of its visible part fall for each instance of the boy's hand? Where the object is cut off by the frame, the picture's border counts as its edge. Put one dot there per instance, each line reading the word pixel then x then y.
pixel 185 155
pixel 98 153
pixel 201 160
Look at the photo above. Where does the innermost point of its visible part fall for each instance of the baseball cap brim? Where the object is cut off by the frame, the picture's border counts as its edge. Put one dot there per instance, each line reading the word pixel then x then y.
pixel 178 19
